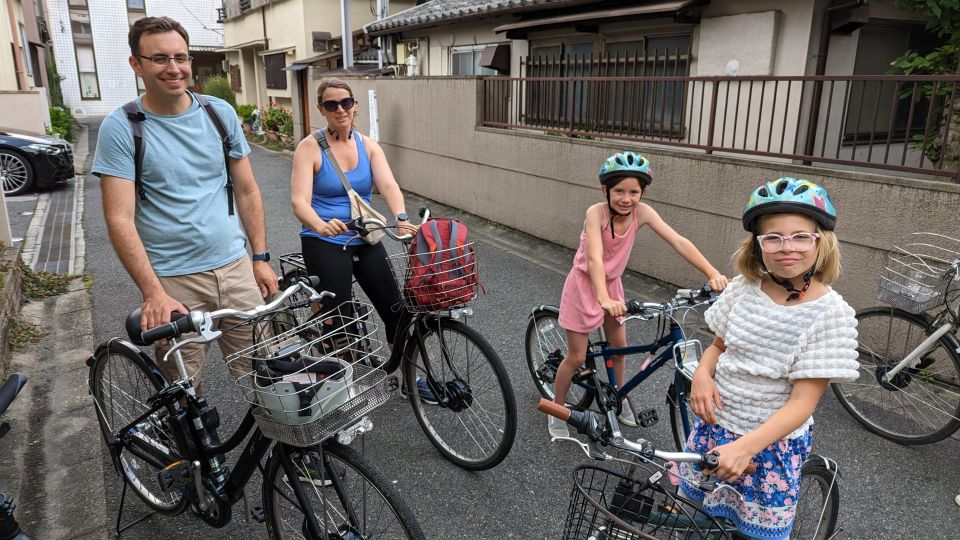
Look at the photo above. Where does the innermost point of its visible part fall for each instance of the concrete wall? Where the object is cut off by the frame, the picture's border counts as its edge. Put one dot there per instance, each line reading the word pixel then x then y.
pixel 25 110
pixel 543 184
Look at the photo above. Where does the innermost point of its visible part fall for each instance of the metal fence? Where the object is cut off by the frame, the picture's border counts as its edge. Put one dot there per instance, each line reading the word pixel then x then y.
pixel 899 123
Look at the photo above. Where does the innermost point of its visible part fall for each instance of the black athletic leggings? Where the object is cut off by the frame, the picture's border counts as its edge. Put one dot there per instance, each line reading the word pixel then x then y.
pixel 336 267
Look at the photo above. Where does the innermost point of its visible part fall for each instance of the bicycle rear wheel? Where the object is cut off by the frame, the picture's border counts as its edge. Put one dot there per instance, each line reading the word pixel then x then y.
pixel 476 424
pixel 918 405
pixel 121 380
pixel 350 499
pixel 818 504
pixel 545 347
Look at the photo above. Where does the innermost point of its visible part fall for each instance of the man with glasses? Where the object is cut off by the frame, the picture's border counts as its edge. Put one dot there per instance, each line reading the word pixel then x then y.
pixel 170 214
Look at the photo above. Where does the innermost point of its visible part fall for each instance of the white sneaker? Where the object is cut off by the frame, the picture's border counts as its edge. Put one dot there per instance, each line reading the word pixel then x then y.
pixel 957 500
pixel 557 427
pixel 626 414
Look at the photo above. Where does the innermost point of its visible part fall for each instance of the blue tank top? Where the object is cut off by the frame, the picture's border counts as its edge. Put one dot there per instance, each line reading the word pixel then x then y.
pixel 330 200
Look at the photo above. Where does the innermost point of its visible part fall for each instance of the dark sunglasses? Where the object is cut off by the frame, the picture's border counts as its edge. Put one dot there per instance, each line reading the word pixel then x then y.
pixel 331 105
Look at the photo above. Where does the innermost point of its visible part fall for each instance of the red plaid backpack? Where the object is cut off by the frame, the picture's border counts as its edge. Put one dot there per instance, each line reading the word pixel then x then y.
pixel 441 266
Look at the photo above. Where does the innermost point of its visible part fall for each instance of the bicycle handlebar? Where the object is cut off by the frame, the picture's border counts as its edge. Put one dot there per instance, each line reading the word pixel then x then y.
pixel 683 298
pixel 361 226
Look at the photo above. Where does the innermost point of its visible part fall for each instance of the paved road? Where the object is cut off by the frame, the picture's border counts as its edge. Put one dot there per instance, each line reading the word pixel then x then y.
pixel 889 491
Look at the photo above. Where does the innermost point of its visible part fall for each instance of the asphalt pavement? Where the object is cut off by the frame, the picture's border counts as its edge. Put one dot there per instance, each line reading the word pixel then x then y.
pixel 888 491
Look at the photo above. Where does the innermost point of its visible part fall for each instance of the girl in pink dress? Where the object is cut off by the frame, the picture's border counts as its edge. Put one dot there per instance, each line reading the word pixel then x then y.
pixel 593 292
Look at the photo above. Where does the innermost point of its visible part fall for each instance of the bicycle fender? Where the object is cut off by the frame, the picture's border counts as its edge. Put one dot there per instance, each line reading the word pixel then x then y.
pixel 118 343
pixel 544 308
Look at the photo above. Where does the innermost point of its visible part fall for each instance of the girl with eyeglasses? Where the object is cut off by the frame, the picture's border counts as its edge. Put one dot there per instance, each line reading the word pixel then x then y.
pixel 321 204
pixel 782 334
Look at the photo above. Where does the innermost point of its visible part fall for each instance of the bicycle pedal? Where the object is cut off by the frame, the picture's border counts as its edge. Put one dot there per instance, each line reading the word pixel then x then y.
pixel 648 418
pixel 393 384
pixel 257 514
pixel 175 476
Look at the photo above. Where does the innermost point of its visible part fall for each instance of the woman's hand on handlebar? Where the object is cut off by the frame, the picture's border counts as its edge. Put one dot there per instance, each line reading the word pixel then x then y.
pixel 331 228
pixel 718 282
pixel 405 227
pixel 734 461
pixel 614 308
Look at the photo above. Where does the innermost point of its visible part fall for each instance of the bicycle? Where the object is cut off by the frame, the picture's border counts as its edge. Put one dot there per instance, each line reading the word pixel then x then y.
pixel 305 407
pixel 472 416
pixel 909 385
pixel 642 502
pixel 546 347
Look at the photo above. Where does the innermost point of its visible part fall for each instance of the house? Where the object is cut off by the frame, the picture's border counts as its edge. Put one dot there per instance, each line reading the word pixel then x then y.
pixel 23 75
pixel 275 47
pixel 89 39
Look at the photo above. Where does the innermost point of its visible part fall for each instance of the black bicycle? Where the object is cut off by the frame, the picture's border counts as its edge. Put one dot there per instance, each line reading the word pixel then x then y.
pixel 307 403
pixel 459 389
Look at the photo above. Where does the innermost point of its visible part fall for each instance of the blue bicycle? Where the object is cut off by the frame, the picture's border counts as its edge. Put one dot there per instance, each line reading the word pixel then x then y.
pixel 546 347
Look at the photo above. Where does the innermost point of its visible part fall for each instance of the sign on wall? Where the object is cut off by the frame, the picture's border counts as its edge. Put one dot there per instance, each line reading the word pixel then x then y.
pixel 374 119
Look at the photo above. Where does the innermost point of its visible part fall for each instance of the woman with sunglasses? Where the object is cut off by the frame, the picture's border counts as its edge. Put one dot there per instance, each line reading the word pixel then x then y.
pixel 321 204
pixel 782 334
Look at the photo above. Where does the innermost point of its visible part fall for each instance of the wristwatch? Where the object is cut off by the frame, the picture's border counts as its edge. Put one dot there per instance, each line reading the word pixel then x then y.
pixel 402 217
pixel 265 256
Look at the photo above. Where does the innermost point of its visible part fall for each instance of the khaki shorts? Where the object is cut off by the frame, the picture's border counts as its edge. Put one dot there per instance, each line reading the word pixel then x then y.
pixel 231 286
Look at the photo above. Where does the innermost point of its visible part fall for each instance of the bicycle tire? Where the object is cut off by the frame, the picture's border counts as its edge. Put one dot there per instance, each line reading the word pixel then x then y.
pixel 676 421
pixel 920 405
pixel 380 509
pixel 818 504
pixel 481 433
pixel 544 337
pixel 121 379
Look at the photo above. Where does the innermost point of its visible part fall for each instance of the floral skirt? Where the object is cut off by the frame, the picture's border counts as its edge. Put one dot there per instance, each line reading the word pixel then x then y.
pixel 769 494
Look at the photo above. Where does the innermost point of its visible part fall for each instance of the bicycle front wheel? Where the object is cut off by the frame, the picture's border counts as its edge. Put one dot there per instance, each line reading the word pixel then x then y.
pixel 545 347
pixel 350 498
pixel 475 424
pixel 818 504
pixel 121 381
pixel 680 432
pixel 919 405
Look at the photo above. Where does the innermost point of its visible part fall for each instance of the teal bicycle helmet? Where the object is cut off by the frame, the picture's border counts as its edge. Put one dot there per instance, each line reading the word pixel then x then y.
pixel 790 195
pixel 624 164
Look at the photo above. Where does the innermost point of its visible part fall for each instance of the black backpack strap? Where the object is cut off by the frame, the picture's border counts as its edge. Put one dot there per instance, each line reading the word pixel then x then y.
pixel 136 117
pixel 224 141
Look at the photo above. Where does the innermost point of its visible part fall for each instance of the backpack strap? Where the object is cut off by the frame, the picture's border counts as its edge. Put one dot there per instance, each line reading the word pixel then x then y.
pixel 224 141
pixel 136 117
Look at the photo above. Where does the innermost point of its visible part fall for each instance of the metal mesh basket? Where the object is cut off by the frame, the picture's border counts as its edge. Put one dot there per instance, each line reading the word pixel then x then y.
pixel 436 280
pixel 309 382
pixel 605 505
pixel 918 271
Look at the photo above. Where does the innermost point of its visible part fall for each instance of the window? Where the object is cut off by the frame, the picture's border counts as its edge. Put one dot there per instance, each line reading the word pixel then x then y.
pixel 80 25
pixel 25 50
pixel 87 69
pixel 136 10
pixel 466 61
pixel 235 78
pixel 136 5
pixel 276 77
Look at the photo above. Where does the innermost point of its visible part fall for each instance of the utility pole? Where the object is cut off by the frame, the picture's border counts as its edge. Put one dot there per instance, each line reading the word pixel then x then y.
pixel 346 31
pixel 383 11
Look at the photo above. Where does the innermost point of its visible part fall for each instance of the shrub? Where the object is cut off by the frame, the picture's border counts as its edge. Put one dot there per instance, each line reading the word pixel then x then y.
pixel 245 112
pixel 278 119
pixel 219 86
pixel 62 124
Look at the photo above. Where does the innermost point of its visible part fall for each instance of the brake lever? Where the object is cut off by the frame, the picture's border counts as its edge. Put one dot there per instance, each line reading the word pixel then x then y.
pixel 589 449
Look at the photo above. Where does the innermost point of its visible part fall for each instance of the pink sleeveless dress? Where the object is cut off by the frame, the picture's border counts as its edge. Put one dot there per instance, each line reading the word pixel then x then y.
pixel 579 309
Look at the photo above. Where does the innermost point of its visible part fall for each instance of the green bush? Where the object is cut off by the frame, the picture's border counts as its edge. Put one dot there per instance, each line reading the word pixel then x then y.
pixel 219 86
pixel 278 119
pixel 62 124
pixel 245 112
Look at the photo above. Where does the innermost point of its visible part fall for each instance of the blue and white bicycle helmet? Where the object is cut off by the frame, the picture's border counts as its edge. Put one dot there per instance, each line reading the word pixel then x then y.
pixel 790 195
pixel 624 164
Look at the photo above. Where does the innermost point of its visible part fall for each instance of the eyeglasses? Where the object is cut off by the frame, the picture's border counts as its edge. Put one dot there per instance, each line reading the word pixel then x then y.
pixel 331 105
pixel 164 60
pixel 801 241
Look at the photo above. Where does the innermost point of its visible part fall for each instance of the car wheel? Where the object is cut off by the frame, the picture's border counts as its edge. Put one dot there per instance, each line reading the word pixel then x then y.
pixel 15 172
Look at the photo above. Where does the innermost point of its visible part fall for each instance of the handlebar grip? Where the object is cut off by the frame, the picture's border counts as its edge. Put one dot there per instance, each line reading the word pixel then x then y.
pixel 180 325
pixel 422 211
pixel 357 225
pixel 711 461
pixel 551 408
pixel 634 307
pixel 311 281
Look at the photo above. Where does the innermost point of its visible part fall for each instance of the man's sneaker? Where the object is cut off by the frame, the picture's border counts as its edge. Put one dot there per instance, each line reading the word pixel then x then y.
pixel 626 414
pixel 557 427
pixel 426 395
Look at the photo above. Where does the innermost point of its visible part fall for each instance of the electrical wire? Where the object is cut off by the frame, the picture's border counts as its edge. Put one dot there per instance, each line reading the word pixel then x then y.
pixel 199 20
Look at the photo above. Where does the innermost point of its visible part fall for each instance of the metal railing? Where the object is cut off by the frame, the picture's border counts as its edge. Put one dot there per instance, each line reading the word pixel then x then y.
pixel 899 123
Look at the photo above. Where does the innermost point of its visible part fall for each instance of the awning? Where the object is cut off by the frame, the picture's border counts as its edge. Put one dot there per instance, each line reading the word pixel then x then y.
pixel 233 48
pixel 591 16
pixel 296 67
pixel 277 51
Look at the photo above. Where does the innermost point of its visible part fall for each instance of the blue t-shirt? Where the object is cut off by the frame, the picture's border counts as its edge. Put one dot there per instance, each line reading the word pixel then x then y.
pixel 330 199
pixel 184 222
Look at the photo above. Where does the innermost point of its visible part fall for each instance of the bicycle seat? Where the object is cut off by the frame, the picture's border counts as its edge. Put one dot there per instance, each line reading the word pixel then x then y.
pixel 10 389
pixel 132 326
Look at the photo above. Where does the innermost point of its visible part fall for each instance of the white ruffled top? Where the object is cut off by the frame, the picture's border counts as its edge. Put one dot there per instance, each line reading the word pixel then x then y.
pixel 769 346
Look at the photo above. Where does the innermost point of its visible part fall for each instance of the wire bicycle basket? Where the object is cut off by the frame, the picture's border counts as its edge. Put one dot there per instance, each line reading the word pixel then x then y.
pixel 918 272
pixel 606 505
pixel 307 383
pixel 436 280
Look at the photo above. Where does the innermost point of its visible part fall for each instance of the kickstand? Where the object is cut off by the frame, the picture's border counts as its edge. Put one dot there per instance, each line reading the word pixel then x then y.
pixel 123 495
